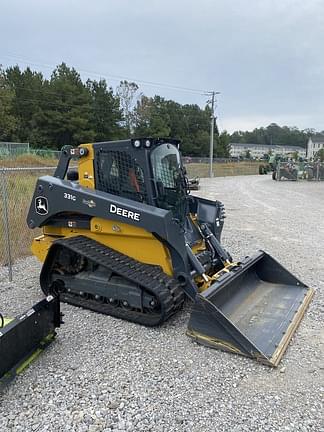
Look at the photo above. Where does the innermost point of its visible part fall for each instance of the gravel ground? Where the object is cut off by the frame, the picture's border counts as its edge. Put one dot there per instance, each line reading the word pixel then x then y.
pixel 103 374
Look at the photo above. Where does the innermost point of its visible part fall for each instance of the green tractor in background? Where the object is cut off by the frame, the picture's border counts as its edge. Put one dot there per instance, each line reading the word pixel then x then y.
pixel 264 167
pixel 283 168
pixel 291 167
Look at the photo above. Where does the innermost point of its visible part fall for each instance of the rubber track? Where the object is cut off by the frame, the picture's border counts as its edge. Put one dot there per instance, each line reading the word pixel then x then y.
pixel 151 277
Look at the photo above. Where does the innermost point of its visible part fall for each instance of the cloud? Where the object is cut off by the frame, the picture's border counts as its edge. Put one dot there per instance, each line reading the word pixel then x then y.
pixel 263 56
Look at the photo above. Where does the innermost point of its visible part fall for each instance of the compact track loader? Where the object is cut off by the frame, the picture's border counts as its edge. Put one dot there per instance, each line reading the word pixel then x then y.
pixel 123 236
pixel 23 338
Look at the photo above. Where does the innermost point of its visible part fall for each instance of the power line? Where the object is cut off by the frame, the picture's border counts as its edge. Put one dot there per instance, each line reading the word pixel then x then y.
pixel 112 77
pixel 58 104
pixel 61 105
pixel 51 92
pixel 41 90
pixel 47 92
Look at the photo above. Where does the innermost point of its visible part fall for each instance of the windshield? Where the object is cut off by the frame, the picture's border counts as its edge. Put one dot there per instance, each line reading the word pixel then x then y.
pixel 166 165
pixel 170 180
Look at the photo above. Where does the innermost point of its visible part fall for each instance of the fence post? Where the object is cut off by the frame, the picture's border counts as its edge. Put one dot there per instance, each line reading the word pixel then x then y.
pixel 6 224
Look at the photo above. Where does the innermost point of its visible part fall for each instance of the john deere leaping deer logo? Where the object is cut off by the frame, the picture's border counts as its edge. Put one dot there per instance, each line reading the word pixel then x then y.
pixel 41 205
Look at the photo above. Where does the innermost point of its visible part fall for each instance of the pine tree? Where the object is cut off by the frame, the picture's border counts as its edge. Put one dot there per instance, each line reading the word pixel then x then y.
pixel 67 118
pixel 8 122
pixel 106 115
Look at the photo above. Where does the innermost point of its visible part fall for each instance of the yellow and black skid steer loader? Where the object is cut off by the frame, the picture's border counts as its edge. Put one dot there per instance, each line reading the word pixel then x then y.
pixel 23 338
pixel 123 236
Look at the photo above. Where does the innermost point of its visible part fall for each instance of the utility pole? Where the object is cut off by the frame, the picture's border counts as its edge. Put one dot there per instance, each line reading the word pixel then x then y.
pixel 212 124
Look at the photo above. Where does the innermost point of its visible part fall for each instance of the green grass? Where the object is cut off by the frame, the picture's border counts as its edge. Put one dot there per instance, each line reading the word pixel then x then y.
pixel 27 160
pixel 223 169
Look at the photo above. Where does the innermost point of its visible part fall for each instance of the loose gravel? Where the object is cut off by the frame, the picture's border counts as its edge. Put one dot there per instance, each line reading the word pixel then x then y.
pixel 104 374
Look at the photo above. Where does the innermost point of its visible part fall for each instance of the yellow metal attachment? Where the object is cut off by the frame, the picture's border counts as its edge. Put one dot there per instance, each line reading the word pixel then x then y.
pixel 6 321
pixel 228 267
pixel 86 168
pixel 207 280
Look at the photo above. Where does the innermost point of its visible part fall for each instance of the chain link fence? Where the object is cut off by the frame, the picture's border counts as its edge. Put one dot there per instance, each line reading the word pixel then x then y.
pixel 16 190
pixel 13 149
pixel 206 160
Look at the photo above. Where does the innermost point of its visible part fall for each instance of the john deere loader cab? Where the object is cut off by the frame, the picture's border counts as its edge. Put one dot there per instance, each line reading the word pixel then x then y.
pixel 124 237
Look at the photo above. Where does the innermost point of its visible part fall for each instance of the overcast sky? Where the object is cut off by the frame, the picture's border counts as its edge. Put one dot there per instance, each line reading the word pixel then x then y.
pixel 264 56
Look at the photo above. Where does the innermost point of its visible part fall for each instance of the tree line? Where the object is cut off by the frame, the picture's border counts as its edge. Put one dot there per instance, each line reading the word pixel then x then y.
pixel 60 110
pixel 50 113
pixel 275 135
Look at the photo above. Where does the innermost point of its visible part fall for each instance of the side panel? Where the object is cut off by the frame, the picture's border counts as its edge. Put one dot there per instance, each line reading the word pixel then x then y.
pixel 210 212
pixel 129 240
pixel 54 196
